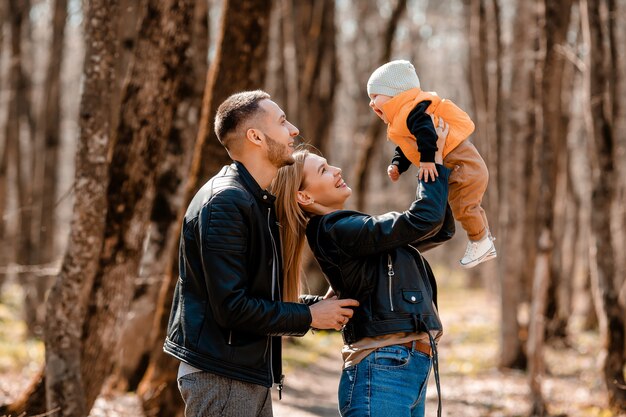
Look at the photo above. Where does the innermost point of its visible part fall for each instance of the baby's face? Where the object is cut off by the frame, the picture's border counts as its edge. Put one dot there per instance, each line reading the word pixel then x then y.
pixel 376 103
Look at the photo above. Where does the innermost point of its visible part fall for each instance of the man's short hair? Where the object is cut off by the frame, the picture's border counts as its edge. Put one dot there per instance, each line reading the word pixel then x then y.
pixel 233 113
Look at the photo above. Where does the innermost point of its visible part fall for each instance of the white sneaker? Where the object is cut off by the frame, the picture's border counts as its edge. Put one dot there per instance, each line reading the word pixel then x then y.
pixel 478 251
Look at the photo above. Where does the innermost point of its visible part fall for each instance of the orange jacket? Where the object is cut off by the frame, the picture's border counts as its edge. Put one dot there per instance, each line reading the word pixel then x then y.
pixel 397 111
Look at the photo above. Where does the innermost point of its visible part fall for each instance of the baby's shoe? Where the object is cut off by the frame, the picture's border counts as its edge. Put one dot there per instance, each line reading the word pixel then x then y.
pixel 478 251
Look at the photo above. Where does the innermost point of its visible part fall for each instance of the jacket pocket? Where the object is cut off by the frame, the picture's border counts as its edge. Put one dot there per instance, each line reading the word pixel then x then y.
pixel 412 296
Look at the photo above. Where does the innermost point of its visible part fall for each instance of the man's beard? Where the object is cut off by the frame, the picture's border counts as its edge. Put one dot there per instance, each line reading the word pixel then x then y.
pixel 277 153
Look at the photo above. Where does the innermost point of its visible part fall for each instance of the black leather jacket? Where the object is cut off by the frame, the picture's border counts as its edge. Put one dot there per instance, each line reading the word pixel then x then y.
pixel 226 314
pixel 355 251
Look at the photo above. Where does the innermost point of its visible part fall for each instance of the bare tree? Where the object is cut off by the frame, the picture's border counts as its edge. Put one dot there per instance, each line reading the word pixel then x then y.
pixel 375 127
pixel 602 143
pixel 136 343
pixel 50 121
pixel 239 64
pixel 554 18
pixel 514 202
pixel 67 300
pixel 148 105
pixel 310 66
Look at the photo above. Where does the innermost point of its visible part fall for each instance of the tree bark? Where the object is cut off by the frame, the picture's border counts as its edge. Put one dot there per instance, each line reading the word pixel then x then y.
pixel 50 117
pixel 68 297
pixel 554 18
pixel 136 343
pixel 513 203
pixel 602 144
pixel 19 115
pixel 312 25
pixel 372 136
pixel 239 64
pixel 148 106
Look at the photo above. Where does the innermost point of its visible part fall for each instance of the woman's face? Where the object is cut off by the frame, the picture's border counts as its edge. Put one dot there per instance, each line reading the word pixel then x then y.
pixel 322 184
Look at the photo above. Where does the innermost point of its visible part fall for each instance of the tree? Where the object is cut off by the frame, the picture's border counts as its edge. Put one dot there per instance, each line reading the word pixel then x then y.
pixel 49 132
pixel 239 64
pixel 514 195
pixel 67 300
pixel 554 18
pixel 136 343
pixel 375 127
pixel 602 144
pixel 148 105
pixel 310 66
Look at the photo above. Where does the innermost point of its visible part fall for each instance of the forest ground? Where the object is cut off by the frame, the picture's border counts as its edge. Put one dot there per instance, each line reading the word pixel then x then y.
pixel 471 384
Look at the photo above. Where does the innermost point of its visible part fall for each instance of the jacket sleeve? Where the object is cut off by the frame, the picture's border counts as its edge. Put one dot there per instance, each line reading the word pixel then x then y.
pixel 443 235
pixel 363 235
pixel 421 126
pixel 401 161
pixel 309 299
pixel 227 219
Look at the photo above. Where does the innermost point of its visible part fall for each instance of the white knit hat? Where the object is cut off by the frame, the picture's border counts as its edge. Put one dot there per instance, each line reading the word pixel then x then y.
pixel 393 78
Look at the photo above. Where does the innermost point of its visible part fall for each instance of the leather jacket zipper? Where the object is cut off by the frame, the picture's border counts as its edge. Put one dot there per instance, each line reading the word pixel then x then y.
pixel 274 273
pixel 274 255
pixel 390 274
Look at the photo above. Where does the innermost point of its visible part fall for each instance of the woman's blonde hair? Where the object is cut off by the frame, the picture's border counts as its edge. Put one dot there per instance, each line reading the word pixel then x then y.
pixel 293 221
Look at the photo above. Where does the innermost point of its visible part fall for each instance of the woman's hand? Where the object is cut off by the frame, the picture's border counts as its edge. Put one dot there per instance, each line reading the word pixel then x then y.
pixel 442 128
pixel 428 170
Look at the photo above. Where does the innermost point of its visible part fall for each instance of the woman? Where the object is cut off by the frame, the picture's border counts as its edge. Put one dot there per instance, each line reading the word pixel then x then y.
pixel 390 340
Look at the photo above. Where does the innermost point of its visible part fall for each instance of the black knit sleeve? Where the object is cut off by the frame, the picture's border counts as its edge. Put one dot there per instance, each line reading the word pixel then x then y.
pixel 400 160
pixel 421 126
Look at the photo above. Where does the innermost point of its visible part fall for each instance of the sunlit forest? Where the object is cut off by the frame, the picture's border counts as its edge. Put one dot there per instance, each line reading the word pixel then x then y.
pixel 106 132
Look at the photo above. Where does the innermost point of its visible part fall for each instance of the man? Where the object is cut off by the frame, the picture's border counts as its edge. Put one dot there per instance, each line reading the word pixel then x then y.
pixel 228 312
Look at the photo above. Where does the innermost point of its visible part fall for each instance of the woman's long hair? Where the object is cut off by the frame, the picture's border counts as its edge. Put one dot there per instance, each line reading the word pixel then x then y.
pixel 293 221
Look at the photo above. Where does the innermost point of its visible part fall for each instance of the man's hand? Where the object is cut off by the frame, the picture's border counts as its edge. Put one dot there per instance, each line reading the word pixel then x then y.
pixel 393 172
pixel 427 170
pixel 332 313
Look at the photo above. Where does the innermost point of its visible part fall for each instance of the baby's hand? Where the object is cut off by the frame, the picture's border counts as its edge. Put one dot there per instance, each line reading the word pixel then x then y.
pixel 427 170
pixel 393 173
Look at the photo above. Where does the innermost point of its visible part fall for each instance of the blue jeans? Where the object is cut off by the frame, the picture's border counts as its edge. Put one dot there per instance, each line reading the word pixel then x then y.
pixel 391 381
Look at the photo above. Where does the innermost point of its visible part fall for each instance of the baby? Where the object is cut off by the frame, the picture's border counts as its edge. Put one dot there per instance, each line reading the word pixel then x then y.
pixel 396 97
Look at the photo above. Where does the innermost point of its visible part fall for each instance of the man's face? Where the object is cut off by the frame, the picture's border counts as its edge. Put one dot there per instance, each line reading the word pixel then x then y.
pixel 279 134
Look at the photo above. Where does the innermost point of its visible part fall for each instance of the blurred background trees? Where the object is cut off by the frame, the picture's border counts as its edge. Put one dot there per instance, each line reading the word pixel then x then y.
pixel 106 132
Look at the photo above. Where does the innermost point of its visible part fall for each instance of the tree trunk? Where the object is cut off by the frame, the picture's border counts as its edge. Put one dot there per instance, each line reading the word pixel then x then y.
pixel 22 154
pixel 372 136
pixel 485 80
pixel 554 18
pixel 4 156
pixel 68 297
pixel 555 128
pixel 239 64
pixel 244 33
pixel 514 204
pixel 136 343
pixel 50 131
pixel 45 162
pixel 602 145
pixel 312 25
pixel 148 106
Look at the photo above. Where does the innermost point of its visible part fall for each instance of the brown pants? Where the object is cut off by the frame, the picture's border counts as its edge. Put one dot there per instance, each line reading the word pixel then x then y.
pixel 467 185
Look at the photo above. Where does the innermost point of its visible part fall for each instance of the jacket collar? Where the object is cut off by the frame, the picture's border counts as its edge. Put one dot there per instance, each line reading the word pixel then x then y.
pixel 262 196
pixel 393 106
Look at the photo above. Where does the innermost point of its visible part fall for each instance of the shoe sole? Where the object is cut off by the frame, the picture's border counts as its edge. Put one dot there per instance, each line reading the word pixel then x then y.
pixel 489 255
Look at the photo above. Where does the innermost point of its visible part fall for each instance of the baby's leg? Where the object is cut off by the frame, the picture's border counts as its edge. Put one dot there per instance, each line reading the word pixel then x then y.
pixel 468 183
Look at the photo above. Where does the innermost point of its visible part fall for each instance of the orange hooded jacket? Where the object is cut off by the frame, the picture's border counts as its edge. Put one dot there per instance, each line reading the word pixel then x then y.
pixel 397 111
